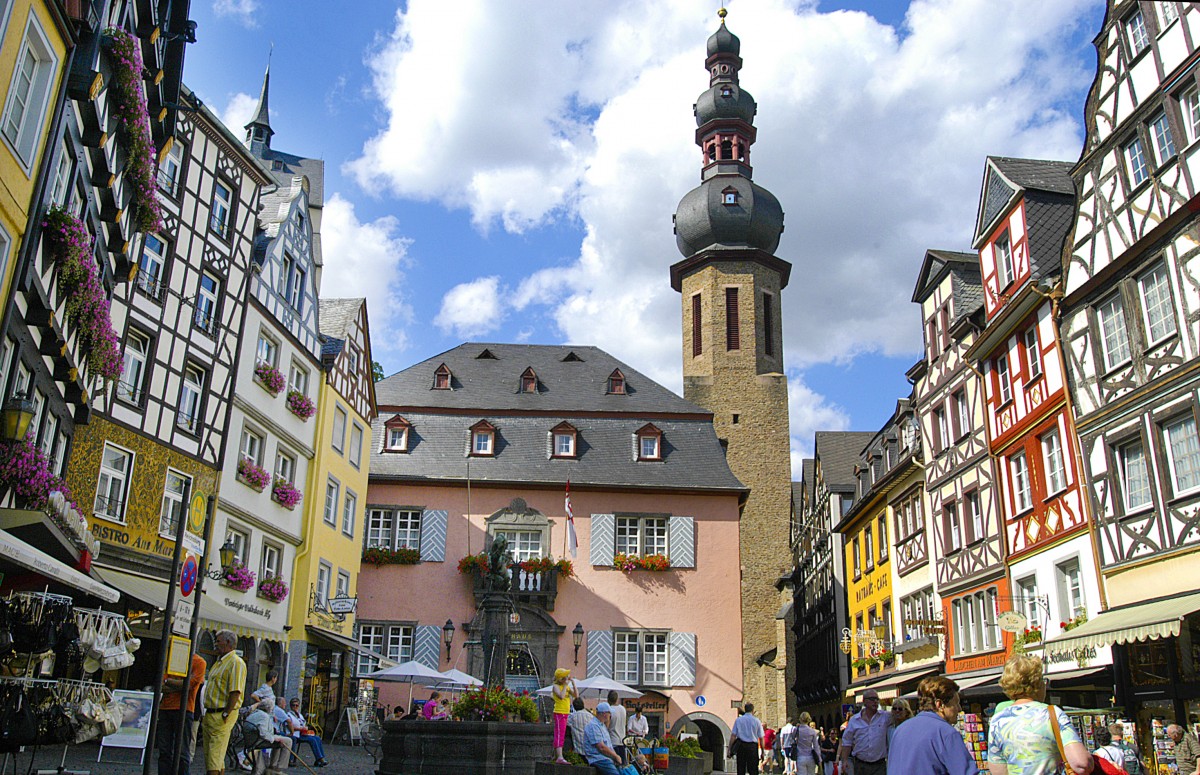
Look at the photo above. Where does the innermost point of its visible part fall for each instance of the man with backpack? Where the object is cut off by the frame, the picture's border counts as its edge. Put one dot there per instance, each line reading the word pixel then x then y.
pixel 1131 758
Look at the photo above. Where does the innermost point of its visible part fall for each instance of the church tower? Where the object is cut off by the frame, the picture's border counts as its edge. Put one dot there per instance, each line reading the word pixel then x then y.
pixel 727 229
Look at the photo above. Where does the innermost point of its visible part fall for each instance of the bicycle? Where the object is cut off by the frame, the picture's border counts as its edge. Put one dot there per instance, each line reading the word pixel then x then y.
pixel 372 739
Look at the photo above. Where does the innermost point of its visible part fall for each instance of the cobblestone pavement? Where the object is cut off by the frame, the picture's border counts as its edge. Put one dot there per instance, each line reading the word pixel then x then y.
pixel 343 760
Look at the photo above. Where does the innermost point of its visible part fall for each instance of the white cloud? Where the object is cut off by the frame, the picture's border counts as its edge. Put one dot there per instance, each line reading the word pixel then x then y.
pixel 872 137
pixel 808 413
pixel 471 309
pixel 238 111
pixel 367 259
pixel 241 10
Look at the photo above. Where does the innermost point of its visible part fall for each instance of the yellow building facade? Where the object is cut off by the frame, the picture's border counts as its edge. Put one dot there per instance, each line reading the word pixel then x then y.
pixel 868 586
pixel 321 652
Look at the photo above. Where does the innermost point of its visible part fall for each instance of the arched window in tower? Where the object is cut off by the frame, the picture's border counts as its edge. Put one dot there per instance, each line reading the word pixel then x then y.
pixel 726 149
pixel 768 318
pixel 733 333
pixel 712 151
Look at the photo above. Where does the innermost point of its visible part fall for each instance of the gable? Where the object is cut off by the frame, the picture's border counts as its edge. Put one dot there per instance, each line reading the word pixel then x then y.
pixel 994 198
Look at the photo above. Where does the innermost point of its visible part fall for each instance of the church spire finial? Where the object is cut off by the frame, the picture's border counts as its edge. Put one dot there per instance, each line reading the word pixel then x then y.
pixel 258 129
pixel 722 14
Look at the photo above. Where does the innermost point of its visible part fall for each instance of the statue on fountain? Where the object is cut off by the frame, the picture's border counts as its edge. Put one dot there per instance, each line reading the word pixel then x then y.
pixel 499 560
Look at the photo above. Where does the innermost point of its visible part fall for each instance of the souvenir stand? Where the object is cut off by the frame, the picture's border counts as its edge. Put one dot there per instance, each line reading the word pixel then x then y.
pixel 974 731
pixel 1164 749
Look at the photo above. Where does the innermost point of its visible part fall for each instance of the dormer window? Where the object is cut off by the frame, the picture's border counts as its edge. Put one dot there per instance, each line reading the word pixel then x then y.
pixel 486 355
pixel 616 383
pixel 529 381
pixel 483 439
pixel 729 196
pixel 396 434
pixel 441 378
pixel 649 443
pixel 726 92
pixel 563 440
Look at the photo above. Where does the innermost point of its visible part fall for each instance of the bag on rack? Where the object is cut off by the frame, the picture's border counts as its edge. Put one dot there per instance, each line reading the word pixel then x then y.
pixel 18 724
pixel 91 716
pixel 113 713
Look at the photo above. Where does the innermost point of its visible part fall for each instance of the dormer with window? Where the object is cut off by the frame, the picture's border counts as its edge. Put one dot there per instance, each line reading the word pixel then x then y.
pixel 729 196
pixel 648 440
pixel 564 441
pixel 529 381
pixel 483 439
pixel 616 383
pixel 395 434
pixel 442 378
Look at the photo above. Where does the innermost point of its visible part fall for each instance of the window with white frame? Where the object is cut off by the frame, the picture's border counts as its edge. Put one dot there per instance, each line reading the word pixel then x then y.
pixel 397 438
pixel 400 643
pixel 343 584
pixel 293 282
pixel 46 444
pixel 324 574
pixel 349 512
pixel 408 529
pixel 1135 161
pixel 135 358
pixel 1189 105
pixel 39 413
pixel 974 516
pixel 333 490
pixel 271 557
pixel 1018 465
pixel 240 540
pixel 640 658
pixel 222 207
pixel 1003 379
pixel 1070 589
pixel 524 544
pixel 564 443
pixel 1168 13
pixel 370 636
pixel 962 411
pixel 883 538
pixel 974 622
pixel 1137 38
pixel 174 492
pixel 1183 450
pixel 298 378
pixel 380 528
pixel 1157 309
pixel 1005 269
pixel 206 303
pixel 953 528
pixel 918 610
pixel 1135 476
pixel 356 441
pixel 151 275
pixel 1160 133
pixel 116 465
pixel 285 466
pixel 641 536
pixel 252 446
pixel 63 171
pixel 869 547
pixel 339 429
pixel 169 169
pixel 29 93
pixel 267 350
pixel 1114 337
pixel 1052 455
pixel 942 428
pixel 190 392
pixel 1033 353
pixel 856 553
pixel 1029 599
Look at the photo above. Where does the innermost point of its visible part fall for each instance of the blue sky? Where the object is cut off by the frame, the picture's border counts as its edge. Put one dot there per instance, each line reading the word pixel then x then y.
pixel 508 171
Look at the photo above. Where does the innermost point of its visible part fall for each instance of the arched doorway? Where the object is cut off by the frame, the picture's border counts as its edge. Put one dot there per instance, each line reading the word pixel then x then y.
pixel 521 669
pixel 714 735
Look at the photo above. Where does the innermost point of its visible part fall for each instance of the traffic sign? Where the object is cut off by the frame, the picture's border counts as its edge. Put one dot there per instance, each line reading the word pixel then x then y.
pixel 188 575
pixel 193 543
pixel 701 700
pixel 184 611
pixel 196 514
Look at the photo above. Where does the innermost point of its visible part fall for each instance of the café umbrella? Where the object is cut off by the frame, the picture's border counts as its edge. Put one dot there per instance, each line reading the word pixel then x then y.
pixel 457 679
pixel 411 673
pixel 596 687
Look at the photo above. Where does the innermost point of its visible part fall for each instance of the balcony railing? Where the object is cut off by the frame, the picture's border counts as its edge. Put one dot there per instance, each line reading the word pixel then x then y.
pixel 539 589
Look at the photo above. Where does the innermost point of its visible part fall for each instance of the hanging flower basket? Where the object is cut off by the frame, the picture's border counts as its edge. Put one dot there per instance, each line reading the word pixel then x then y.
pixel 273 588
pixel 25 472
pixel 239 577
pixel 253 476
pixel 285 493
pixel 269 377
pixel 129 107
pixel 70 245
pixel 546 564
pixel 632 562
pixel 300 405
pixel 378 556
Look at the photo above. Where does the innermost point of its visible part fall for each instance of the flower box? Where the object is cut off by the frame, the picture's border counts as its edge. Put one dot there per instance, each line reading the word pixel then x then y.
pixel 270 378
pixel 378 556
pixel 25 472
pixel 632 562
pixel 252 475
pixel 238 577
pixel 129 108
pixel 300 405
pixel 285 493
pixel 273 588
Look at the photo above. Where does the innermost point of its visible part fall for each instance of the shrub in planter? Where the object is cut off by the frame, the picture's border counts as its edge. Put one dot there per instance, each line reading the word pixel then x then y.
pixel 273 588
pixel 270 377
pixel 285 493
pixel 474 564
pixel 255 476
pixel 239 577
pixel 378 556
pixel 129 107
pixel 494 703
pixel 632 562
pixel 300 405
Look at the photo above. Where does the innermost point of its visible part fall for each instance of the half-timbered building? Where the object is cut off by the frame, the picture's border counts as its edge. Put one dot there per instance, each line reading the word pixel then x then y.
pixel 828 491
pixel 1131 339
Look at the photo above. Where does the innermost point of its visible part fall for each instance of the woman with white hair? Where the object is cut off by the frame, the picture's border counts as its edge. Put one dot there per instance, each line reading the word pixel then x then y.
pixel 806 746
pixel 1030 737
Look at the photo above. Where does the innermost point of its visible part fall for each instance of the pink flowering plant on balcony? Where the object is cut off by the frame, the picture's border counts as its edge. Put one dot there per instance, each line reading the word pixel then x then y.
pixel 300 405
pixel 285 493
pixel 70 246
pixel 273 588
pixel 238 576
pixel 25 472
pixel 254 476
pixel 269 377
pixel 129 107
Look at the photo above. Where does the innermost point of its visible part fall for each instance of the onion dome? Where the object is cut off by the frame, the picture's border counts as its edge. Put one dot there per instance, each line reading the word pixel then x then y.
pixel 728 211
pixel 725 100
pixel 723 41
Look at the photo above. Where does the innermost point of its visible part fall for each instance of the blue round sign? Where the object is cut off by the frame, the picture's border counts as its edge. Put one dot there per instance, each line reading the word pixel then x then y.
pixel 700 700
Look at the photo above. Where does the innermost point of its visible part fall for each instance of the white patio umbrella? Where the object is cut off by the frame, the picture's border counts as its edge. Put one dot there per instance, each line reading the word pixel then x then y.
pixel 457 679
pixel 596 687
pixel 411 673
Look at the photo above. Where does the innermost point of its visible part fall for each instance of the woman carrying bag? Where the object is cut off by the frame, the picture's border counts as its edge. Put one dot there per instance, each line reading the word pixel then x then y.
pixel 806 746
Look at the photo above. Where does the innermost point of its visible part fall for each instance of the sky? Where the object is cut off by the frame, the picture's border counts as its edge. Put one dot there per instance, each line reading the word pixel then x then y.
pixel 507 171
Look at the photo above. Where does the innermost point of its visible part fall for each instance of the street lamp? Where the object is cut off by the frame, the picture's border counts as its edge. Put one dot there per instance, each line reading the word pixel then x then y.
pixel 577 636
pixel 448 635
pixel 17 415
pixel 228 553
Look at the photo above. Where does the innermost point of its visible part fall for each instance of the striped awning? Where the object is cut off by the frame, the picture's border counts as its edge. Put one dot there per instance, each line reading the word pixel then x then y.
pixel 1151 620
pixel 34 559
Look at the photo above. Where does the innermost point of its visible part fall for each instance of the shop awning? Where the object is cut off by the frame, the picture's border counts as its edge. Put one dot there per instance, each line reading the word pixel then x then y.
pixel 1142 621
pixel 213 616
pixel 1072 676
pixel 34 559
pixel 978 684
pixel 342 641
pixel 896 680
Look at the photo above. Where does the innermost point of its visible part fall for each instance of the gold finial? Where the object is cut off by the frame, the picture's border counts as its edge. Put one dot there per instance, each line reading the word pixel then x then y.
pixel 722 13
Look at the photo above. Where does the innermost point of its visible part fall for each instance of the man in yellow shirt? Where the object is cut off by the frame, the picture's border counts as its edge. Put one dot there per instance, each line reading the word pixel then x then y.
pixel 223 696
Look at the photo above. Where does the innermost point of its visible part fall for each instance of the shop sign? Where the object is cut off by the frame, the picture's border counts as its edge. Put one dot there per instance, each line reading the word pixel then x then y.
pixel 653 702
pixel 249 608
pixel 341 605
pixel 928 627
pixel 873 585
pixel 1012 621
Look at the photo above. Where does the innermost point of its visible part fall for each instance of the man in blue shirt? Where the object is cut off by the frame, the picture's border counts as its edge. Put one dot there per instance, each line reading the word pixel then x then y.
pixel 597 748
pixel 927 743
pixel 746 741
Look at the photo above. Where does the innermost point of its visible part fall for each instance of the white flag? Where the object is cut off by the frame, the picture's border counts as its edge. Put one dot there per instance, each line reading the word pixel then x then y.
pixel 572 539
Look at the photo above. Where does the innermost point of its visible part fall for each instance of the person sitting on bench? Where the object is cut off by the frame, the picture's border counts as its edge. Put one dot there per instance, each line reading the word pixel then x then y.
pixel 259 729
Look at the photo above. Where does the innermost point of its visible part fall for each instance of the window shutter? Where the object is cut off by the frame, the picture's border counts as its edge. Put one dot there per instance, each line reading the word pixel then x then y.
pixel 427 645
pixel 602 539
pixel 433 536
pixel 681 542
pixel 549 444
pixel 599 653
pixel 683 659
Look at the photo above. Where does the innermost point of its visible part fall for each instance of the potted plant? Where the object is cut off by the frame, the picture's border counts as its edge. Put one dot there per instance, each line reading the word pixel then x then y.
pixel 379 556
pixel 238 576
pixel 632 562
pixel 473 564
pixel 270 378
pixel 252 475
pixel 494 703
pixel 285 493
pixel 300 405
pixel 129 108
pixel 25 472
pixel 684 756
pixel 273 588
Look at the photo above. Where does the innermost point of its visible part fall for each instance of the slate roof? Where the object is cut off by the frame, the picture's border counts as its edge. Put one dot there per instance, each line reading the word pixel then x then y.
pixel 571 391
pixel 284 166
pixel 934 263
pixel 336 316
pixel 1039 174
pixel 838 452
pixel 966 284
pixel 1050 217
pixel 275 206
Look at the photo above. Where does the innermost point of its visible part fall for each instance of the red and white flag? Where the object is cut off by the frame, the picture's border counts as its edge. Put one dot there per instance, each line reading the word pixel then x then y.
pixel 572 539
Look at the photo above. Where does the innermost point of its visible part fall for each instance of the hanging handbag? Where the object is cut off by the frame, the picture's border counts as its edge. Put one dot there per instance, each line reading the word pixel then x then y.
pixel 18 724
